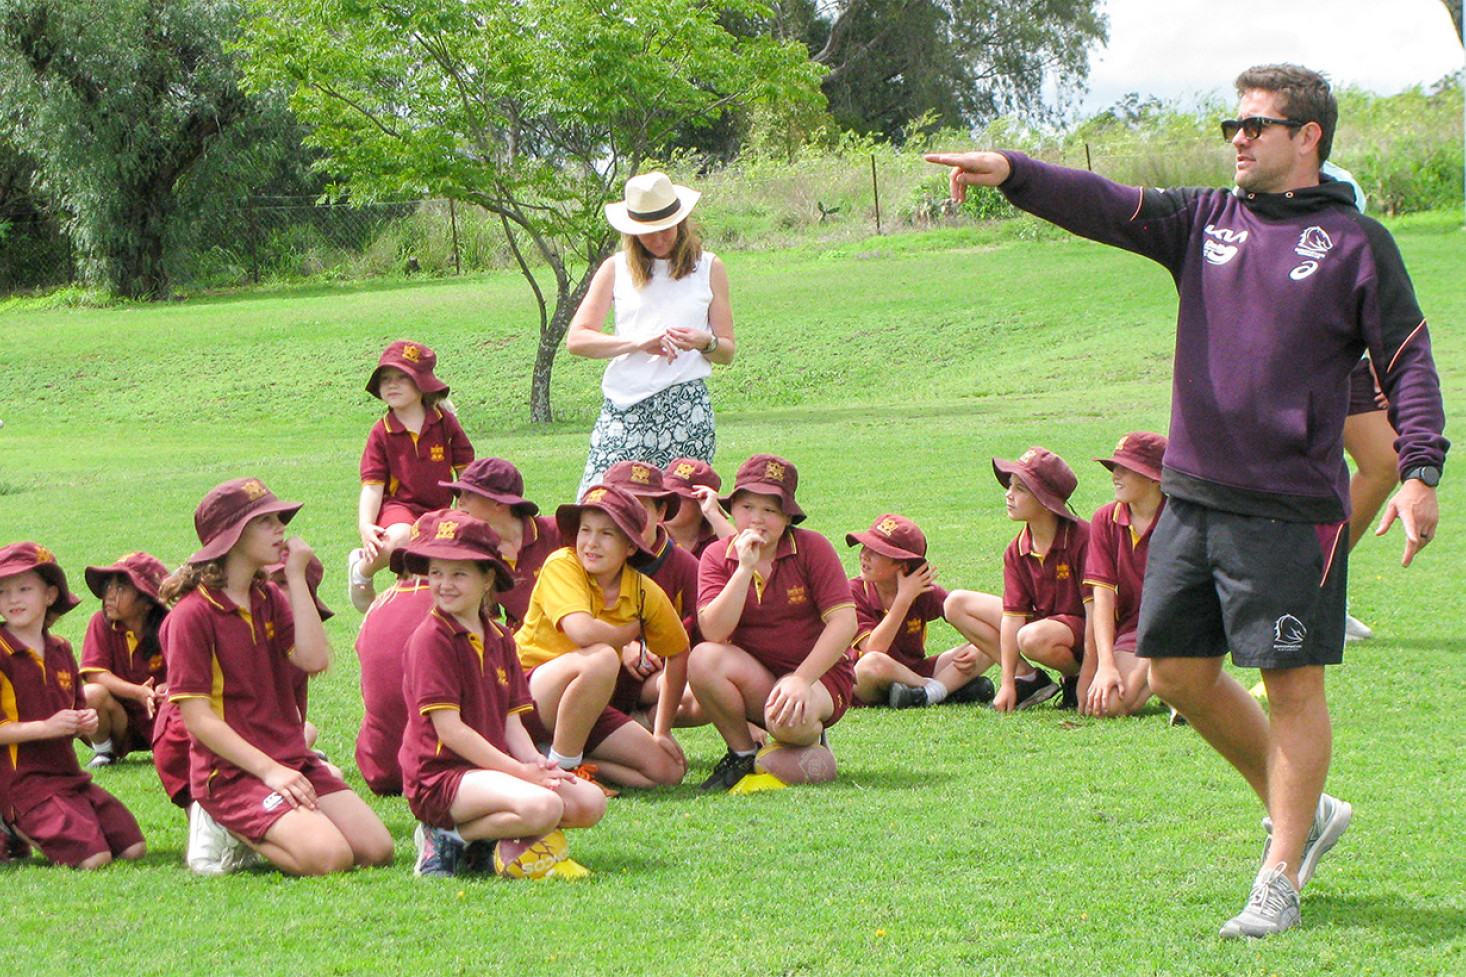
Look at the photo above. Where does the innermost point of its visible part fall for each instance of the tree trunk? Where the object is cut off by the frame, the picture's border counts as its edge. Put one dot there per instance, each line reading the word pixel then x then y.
pixel 136 266
pixel 567 300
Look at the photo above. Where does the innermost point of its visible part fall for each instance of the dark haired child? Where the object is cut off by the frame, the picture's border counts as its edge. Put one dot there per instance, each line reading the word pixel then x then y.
pixel 1114 680
pixel 410 453
pixel 776 616
pixel 698 520
pixel 48 799
pixel 237 645
pixel 895 596
pixel 1043 598
pixel 122 657
pixel 484 798
pixel 589 602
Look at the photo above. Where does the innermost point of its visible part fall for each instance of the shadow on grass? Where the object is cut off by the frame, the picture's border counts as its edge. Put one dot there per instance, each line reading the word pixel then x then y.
pixel 1422 924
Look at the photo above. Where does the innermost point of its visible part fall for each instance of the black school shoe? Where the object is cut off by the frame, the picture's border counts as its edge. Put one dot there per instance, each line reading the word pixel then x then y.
pixel 979 690
pixel 1037 688
pixel 902 696
pixel 731 769
pixel 1069 693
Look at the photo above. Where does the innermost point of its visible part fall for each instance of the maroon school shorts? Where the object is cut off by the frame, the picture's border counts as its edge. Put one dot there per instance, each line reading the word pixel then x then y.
pixel 170 754
pixel 247 806
pixel 432 798
pixel 397 513
pixel 73 825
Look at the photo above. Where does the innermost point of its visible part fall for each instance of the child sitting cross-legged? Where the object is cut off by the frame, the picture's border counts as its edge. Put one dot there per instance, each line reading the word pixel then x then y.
pixel 485 799
pixel 895 596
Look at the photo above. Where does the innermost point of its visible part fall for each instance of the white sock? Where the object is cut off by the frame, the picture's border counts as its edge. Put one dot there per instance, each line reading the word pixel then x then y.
pixel 744 753
pixel 566 762
pixel 935 691
pixel 103 747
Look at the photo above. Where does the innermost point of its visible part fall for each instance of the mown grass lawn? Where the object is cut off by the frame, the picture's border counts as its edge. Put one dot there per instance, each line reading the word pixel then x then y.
pixel 954 841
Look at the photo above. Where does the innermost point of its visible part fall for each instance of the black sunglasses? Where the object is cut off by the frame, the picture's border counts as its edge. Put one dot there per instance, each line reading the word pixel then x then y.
pixel 1253 126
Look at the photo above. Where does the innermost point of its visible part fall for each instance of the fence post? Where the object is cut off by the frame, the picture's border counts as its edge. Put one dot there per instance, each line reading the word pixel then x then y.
pixel 1088 163
pixel 254 240
pixel 875 190
pixel 453 222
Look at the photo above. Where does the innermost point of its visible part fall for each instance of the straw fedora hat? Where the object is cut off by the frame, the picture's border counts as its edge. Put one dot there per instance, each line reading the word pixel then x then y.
pixel 652 203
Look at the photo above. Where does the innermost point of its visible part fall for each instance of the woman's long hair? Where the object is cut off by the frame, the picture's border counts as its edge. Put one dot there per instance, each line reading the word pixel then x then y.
pixel 680 260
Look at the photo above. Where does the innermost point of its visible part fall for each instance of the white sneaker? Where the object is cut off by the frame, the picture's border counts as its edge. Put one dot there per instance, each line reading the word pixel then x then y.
pixel 1271 908
pixel 359 589
pixel 1330 821
pixel 1355 629
pixel 213 850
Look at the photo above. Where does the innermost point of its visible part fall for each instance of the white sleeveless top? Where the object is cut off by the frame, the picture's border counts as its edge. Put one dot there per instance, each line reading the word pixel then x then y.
pixel 642 313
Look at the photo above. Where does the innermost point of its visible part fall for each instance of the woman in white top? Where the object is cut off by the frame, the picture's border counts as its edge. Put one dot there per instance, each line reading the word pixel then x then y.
pixel 672 322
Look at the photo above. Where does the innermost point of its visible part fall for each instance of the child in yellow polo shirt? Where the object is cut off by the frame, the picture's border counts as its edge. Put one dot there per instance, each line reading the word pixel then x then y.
pixel 589 602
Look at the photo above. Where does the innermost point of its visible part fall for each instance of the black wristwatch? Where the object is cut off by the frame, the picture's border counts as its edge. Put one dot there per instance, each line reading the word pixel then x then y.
pixel 1429 474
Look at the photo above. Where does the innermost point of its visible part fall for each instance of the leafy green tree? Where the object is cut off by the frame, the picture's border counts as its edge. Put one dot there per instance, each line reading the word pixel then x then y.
pixel 961 62
pixel 116 100
pixel 535 110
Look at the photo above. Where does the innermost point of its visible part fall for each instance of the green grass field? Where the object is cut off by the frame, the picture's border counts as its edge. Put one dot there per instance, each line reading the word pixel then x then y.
pixel 954 841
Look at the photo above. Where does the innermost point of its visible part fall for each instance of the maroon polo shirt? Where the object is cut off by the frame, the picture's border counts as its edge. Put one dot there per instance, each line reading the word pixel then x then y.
pixel 541 538
pixel 446 671
pixel 784 615
pixel 381 648
pixel 410 466
pixel 34 686
pixel 909 645
pixel 1116 559
pixel 675 571
pixel 239 660
pixel 110 647
pixel 1038 587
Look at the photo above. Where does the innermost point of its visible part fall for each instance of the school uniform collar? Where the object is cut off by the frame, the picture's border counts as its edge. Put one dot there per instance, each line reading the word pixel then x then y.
pixel 454 626
pixel 662 547
pixel 1061 538
pixel 1121 516
pixel 12 645
pixel 430 418
pixel 223 603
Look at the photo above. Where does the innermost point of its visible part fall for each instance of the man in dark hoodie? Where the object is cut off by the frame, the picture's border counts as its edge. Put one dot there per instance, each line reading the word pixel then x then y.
pixel 1282 284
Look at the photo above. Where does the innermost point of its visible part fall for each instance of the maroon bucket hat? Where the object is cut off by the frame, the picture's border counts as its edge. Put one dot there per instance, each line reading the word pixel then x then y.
pixel 684 473
pixel 768 475
pixel 17 558
pixel 894 536
pixel 641 480
pixel 221 516
pixel 414 359
pixel 143 570
pixel 496 479
pixel 1045 474
pixel 1139 451
pixel 452 534
pixel 625 511
pixel 315 573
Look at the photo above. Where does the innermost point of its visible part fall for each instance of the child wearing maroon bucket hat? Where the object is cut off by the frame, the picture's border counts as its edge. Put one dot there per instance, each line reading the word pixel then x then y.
pixel 675 571
pixel 47 798
pixel 777 620
pixel 1114 681
pixel 589 603
pixel 236 645
pixel 699 519
pixel 484 798
pixel 491 489
pixel 122 658
pixel 896 594
pixel 410 454
pixel 1043 597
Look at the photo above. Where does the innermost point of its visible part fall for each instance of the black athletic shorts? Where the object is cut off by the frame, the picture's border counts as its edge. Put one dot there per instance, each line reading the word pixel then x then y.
pixel 1271 592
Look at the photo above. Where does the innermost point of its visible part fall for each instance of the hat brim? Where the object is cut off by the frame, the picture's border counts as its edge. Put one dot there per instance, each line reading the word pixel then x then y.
pixel 225 539
pixel 519 504
pixel 1136 465
pixel 1005 470
pixel 619 218
pixel 96 578
pixel 425 381
pixel 415 560
pixel 882 546
pixel 786 501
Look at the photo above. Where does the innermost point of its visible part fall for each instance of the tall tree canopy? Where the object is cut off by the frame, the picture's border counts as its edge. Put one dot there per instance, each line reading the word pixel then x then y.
pixel 536 110
pixel 116 100
pixel 961 61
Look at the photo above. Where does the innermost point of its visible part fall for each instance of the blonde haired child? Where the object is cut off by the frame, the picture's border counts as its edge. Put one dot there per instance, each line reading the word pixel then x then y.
pixel 415 448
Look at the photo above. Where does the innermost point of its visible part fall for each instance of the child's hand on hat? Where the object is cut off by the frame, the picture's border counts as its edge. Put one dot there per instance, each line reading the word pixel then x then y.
pixel 707 499
pixel 910 586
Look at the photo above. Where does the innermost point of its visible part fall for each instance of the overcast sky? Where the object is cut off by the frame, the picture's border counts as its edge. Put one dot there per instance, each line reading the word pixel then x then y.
pixel 1181 48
